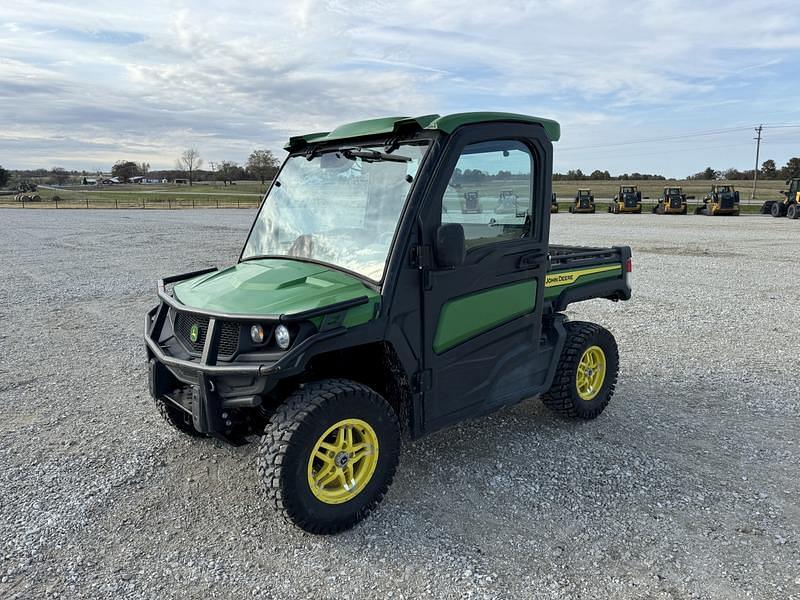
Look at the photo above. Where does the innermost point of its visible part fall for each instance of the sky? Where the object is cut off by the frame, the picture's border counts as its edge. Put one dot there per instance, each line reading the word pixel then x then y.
pixel 664 87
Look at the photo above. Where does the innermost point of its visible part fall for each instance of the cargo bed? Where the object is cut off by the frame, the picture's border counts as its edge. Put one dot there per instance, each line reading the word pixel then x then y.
pixel 578 273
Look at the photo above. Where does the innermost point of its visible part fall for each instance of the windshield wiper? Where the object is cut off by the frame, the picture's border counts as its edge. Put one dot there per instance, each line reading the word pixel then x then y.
pixel 372 155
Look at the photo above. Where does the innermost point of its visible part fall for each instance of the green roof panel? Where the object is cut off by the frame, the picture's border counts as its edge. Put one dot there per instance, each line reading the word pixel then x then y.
pixel 447 123
pixel 450 123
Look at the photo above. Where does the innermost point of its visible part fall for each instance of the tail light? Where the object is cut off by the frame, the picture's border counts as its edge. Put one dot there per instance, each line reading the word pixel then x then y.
pixel 629 273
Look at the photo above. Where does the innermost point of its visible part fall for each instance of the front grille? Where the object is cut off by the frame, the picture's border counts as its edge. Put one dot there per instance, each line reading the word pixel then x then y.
pixel 228 335
pixel 726 202
pixel 630 202
pixel 228 338
pixel 675 203
pixel 584 203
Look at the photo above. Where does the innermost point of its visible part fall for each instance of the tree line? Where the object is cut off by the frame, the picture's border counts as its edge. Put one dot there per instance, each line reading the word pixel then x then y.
pixel 598 175
pixel 261 166
pixel 768 170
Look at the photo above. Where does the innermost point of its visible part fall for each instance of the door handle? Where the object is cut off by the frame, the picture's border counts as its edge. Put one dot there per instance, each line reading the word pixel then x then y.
pixel 531 261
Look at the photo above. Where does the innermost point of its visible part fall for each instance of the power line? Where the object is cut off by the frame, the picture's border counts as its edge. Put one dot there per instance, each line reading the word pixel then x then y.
pixel 661 139
pixel 683 136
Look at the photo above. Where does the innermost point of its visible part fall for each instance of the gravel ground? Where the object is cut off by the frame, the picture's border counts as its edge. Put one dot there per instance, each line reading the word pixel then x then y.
pixel 686 487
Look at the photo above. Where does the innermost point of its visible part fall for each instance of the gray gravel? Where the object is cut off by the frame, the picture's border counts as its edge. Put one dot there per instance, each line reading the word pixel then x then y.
pixel 686 487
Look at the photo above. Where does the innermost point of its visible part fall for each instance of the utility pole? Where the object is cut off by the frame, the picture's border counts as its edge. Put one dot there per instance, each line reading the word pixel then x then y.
pixel 755 172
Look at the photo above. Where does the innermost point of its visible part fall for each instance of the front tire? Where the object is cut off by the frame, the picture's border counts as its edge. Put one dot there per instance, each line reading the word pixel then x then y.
pixel 329 454
pixel 178 419
pixel 793 212
pixel 586 374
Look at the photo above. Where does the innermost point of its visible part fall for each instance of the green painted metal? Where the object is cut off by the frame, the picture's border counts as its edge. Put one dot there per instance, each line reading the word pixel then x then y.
pixel 555 291
pixel 450 123
pixel 277 286
pixel 358 129
pixel 465 317
pixel 447 123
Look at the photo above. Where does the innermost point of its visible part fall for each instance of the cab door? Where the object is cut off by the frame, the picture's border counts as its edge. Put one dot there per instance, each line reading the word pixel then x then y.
pixel 483 318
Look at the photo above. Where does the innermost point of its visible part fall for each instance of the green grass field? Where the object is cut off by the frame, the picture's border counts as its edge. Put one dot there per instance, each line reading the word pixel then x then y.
pixel 245 194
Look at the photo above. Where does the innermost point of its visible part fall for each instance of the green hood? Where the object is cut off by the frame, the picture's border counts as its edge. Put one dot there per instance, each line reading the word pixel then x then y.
pixel 275 287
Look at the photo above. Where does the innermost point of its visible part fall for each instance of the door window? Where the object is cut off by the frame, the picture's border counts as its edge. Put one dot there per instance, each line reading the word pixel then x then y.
pixel 490 192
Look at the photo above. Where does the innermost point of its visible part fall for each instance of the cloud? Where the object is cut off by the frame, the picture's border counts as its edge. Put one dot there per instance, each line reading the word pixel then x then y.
pixel 89 85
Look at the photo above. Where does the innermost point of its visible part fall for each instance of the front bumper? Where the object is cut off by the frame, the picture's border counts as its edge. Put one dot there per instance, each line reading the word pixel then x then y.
pixel 220 392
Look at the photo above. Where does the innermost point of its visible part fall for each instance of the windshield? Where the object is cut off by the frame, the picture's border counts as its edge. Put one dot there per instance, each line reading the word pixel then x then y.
pixel 340 208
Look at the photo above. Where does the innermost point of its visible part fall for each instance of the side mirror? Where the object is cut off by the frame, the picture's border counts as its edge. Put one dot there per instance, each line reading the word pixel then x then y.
pixel 450 246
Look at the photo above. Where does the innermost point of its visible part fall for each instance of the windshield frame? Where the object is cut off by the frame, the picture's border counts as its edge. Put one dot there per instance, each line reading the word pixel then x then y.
pixel 424 139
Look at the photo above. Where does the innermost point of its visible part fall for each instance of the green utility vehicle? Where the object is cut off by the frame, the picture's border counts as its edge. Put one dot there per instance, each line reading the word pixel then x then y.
pixel 360 311
pixel 789 206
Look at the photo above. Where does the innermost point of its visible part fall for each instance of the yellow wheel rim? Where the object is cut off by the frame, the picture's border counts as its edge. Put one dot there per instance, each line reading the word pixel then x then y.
pixel 343 461
pixel 591 373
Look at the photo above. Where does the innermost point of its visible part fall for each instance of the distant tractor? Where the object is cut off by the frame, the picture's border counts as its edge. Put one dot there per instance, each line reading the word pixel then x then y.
pixel 506 203
pixel 553 203
pixel 673 202
pixel 722 200
pixel 471 204
pixel 789 206
pixel 583 203
pixel 628 200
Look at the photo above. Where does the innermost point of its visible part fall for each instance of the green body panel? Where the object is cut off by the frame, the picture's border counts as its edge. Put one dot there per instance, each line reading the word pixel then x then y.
pixel 447 123
pixel 555 291
pixel 465 317
pixel 357 129
pixel 275 286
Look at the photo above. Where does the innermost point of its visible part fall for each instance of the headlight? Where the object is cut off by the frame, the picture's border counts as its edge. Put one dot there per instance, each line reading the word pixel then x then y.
pixel 282 337
pixel 257 334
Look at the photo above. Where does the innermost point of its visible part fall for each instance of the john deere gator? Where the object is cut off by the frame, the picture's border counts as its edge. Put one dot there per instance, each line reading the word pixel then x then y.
pixel 583 202
pixel 722 200
pixel 360 312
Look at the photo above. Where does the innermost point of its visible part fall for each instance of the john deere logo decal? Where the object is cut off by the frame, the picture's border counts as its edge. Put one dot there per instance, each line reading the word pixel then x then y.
pixel 194 333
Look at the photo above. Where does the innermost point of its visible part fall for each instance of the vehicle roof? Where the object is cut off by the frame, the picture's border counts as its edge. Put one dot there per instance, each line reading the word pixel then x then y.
pixel 446 123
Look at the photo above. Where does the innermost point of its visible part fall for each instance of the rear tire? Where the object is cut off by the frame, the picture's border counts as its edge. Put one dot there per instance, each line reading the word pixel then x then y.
pixel 793 212
pixel 564 396
pixel 777 209
pixel 300 448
